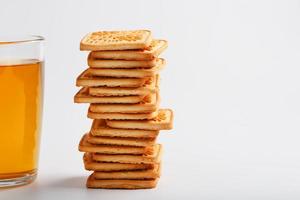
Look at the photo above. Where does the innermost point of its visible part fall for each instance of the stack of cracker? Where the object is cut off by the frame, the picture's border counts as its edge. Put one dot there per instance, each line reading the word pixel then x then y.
pixel 122 87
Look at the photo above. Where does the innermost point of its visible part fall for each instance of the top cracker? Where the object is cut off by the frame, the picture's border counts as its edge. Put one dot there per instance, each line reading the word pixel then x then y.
pixel 116 40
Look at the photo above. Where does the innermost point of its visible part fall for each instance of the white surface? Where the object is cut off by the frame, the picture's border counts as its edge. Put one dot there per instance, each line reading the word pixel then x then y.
pixel 232 79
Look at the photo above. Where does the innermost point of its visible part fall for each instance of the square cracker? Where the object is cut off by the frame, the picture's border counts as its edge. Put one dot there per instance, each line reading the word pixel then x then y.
pixel 148 105
pixel 91 165
pixel 85 79
pixel 131 159
pixel 132 73
pixel 155 49
pixel 151 86
pixel 116 40
pixel 137 142
pixel 85 146
pixel 163 121
pixel 126 64
pixel 120 183
pixel 83 96
pixel 122 116
pixel 99 128
pixel 129 175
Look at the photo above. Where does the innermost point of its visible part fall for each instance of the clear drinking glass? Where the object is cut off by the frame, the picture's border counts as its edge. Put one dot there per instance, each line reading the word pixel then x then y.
pixel 21 101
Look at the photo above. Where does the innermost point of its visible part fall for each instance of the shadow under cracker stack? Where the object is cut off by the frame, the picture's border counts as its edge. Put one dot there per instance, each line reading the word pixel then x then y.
pixel 121 84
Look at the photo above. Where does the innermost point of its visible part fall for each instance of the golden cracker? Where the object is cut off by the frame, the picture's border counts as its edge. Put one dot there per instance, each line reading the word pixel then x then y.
pixel 132 73
pixel 99 128
pixel 120 184
pixel 83 96
pixel 150 87
pixel 85 146
pixel 155 49
pixel 131 159
pixel 148 105
pixel 122 64
pixel 116 40
pixel 122 116
pixel 138 142
pixel 92 165
pixel 163 121
pixel 130 175
pixel 85 79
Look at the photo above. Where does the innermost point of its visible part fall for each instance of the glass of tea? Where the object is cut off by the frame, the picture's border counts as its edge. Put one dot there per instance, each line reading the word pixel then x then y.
pixel 21 101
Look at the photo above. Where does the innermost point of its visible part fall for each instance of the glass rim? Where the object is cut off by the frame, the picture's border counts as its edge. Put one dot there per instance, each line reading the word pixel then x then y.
pixel 15 39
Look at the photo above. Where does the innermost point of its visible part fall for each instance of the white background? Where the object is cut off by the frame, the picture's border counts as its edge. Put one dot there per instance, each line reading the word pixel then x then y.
pixel 232 80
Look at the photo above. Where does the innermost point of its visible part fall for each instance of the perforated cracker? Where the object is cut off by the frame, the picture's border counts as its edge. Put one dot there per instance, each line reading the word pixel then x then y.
pixel 163 121
pixel 135 72
pixel 129 175
pixel 90 164
pixel 122 116
pixel 131 159
pixel 148 105
pixel 99 128
pixel 85 146
pixel 116 40
pixel 139 142
pixel 154 50
pixel 120 183
pixel 85 79
pixel 83 96
pixel 151 86
pixel 121 64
